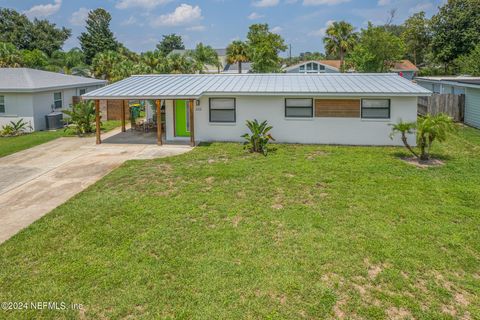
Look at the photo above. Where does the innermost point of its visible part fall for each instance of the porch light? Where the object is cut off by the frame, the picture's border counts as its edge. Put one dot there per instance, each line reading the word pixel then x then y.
pixel 197 102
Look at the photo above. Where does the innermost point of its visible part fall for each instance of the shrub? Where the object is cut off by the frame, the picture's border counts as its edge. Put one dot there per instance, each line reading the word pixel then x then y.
pixel 258 139
pixel 15 128
pixel 81 118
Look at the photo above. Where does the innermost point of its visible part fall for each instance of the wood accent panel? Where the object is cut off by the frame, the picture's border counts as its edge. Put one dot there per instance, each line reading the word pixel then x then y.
pixel 114 110
pixel 339 108
pixel 76 100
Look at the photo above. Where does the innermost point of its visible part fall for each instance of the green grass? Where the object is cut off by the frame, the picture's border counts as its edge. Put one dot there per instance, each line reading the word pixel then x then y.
pixel 9 145
pixel 309 232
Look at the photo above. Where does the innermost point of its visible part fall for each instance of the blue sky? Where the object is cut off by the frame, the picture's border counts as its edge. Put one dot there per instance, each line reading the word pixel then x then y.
pixel 139 24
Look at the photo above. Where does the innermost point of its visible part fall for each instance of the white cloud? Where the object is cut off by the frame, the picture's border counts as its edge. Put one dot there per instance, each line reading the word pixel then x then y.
pixel 43 10
pixel 184 14
pixel 196 28
pixel 321 2
pixel 276 29
pixel 265 3
pixel 383 2
pixel 147 4
pixel 130 21
pixel 255 16
pixel 421 7
pixel 321 32
pixel 78 17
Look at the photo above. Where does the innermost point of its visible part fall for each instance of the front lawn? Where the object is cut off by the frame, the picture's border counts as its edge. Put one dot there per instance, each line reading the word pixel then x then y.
pixel 308 232
pixel 9 145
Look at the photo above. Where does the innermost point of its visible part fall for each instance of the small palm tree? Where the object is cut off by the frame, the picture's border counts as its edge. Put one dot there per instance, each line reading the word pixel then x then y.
pixel 260 136
pixel 339 40
pixel 237 53
pixel 10 57
pixel 404 128
pixel 429 128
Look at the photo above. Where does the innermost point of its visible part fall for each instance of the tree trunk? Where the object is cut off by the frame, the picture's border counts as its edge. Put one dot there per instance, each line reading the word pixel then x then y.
pixel 239 66
pixel 341 60
pixel 424 156
pixel 405 142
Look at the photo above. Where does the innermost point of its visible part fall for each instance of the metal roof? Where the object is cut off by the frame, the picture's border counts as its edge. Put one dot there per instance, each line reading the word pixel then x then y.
pixel 32 80
pixel 461 81
pixel 196 85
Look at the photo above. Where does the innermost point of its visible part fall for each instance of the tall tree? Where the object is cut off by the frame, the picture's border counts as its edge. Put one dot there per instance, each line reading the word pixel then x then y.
pixel 27 35
pixel 15 28
pixel 264 47
pixel 455 30
pixel 98 38
pixel 169 43
pixel 416 37
pixel 470 63
pixel 237 52
pixel 376 50
pixel 47 37
pixel 203 56
pixel 339 39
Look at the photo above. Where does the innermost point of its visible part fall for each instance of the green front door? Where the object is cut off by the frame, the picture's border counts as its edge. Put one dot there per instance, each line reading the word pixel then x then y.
pixel 182 127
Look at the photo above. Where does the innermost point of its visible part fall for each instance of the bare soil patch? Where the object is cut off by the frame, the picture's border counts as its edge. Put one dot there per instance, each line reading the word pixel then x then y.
pixel 423 164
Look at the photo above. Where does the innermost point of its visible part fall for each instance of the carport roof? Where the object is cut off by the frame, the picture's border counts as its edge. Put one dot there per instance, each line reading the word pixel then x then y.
pixel 193 86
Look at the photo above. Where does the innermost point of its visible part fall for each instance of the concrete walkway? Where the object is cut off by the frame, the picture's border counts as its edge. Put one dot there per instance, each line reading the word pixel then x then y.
pixel 35 181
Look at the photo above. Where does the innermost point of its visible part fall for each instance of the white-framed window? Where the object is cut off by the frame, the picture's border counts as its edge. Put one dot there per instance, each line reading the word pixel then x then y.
pixel 2 104
pixel 222 110
pixel 298 108
pixel 312 67
pixel 57 100
pixel 82 91
pixel 376 108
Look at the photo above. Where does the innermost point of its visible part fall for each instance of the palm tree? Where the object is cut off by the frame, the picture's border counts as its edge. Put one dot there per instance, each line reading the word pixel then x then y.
pixel 237 53
pixel 203 56
pixel 105 65
pixel 339 39
pixel 10 57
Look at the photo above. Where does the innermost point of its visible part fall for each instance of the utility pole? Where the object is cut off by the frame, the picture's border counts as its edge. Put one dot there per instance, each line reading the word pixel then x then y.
pixel 290 52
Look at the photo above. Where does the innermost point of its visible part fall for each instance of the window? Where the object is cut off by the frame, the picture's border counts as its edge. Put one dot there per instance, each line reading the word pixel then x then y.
pixel 82 91
pixel 299 108
pixel 302 68
pixel 2 104
pixel 57 100
pixel 376 108
pixel 222 110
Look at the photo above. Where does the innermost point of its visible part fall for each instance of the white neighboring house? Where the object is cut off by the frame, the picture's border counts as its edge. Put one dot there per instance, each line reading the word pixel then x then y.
pixel 31 94
pixel 353 109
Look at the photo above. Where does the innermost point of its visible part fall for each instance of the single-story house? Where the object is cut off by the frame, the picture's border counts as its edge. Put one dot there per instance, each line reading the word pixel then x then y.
pixel 352 109
pixel 404 68
pixel 31 94
pixel 469 86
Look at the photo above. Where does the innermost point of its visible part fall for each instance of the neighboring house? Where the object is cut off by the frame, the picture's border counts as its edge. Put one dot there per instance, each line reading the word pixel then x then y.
pixel 469 86
pixel 31 94
pixel 404 68
pixel 352 109
pixel 225 67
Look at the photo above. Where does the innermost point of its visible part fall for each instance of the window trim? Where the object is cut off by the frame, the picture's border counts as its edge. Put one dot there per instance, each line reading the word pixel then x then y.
pixel 61 100
pixel 369 108
pixel 304 117
pixel 234 110
pixel 4 105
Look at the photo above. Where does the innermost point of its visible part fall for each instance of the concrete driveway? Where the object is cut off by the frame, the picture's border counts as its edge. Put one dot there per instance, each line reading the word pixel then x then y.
pixel 35 181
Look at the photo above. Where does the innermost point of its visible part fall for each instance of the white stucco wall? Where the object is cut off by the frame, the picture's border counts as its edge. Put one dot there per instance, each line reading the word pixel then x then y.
pixel 352 131
pixel 17 106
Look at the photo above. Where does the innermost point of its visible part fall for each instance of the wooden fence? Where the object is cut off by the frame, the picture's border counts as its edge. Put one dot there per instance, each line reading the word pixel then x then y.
pixel 451 104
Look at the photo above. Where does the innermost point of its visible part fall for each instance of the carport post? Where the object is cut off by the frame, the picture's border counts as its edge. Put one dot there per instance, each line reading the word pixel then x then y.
pixel 97 121
pixel 158 103
pixel 123 115
pixel 191 107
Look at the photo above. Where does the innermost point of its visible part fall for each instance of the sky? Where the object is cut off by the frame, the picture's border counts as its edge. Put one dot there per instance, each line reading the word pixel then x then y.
pixel 140 24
